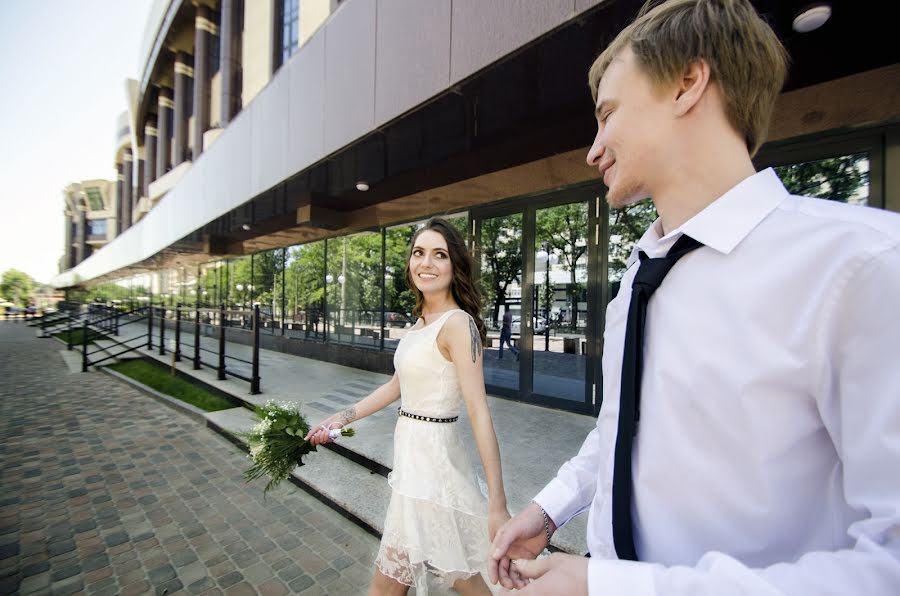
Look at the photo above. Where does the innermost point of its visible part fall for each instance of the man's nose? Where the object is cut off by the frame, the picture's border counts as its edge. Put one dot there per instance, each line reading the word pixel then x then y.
pixel 595 153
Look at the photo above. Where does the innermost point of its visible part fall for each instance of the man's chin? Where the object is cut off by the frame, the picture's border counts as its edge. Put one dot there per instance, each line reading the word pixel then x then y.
pixel 621 199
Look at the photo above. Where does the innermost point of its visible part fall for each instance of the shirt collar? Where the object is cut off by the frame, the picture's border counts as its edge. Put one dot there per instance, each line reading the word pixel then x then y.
pixel 725 222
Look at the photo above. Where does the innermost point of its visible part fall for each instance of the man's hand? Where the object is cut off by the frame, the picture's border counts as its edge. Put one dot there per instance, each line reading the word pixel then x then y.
pixel 522 537
pixel 556 574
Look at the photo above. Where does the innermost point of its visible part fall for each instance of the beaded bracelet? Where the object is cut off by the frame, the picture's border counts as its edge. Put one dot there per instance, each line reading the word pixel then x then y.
pixel 546 521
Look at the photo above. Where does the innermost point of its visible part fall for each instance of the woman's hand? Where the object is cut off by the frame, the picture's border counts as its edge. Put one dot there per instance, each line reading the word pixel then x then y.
pixel 318 434
pixel 496 518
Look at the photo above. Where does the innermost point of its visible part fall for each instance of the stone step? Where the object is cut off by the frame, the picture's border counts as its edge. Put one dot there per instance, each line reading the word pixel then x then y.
pixel 346 486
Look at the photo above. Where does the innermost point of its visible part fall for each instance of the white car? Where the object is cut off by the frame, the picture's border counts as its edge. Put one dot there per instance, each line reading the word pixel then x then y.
pixel 540 325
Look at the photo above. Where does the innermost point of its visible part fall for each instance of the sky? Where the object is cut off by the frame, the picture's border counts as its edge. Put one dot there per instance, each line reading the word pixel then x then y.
pixel 63 64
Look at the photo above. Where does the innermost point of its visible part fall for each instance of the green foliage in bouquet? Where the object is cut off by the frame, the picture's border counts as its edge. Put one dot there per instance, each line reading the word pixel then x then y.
pixel 277 442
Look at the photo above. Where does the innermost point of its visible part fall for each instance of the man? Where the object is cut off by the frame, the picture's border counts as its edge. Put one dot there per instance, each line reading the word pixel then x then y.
pixel 762 437
pixel 506 334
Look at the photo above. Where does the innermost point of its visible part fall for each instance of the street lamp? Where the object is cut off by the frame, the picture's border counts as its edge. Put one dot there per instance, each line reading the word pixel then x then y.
pixel 240 289
pixel 545 257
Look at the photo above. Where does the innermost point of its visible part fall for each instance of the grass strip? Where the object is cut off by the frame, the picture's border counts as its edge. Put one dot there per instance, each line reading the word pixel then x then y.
pixel 161 379
pixel 77 334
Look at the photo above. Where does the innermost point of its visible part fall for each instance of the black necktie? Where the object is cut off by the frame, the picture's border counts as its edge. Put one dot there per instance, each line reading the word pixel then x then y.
pixel 649 276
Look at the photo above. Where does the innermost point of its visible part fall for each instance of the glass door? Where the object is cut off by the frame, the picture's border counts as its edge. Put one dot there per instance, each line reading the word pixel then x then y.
pixel 539 273
pixel 499 255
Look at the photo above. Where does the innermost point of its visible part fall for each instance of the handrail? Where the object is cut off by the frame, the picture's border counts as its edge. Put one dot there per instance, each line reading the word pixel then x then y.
pixel 111 321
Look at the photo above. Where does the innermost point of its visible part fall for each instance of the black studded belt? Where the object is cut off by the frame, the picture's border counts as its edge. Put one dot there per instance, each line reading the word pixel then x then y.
pixel 426 418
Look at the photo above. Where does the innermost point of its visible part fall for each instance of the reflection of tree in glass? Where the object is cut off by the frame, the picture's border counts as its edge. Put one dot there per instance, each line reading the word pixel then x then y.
pixel 843 178
pixel 626 226
pixel 398 297
pixel 564 228
pixel 305 271
pixel 501 255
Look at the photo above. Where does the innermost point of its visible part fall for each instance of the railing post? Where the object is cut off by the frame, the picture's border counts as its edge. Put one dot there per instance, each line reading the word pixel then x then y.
pixel 221 369
pixel 118 314
pixel 69 338
pixel 197 337
pixel 84 360
pixel 254 383
pixel 150 326
pixel 162 331
pixel 178 332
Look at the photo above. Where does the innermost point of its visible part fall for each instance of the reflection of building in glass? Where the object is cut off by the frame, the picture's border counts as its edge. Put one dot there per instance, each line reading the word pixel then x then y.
pixel 281 153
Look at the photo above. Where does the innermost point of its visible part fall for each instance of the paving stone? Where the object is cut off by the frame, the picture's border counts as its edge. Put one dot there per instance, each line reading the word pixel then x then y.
pixel 108 487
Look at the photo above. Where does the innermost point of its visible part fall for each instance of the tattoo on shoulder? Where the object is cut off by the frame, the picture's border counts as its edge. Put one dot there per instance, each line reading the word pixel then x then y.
pixel 348 416
pixel 476 339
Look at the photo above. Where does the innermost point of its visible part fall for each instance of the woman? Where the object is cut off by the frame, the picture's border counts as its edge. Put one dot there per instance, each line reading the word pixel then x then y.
pixel 438 522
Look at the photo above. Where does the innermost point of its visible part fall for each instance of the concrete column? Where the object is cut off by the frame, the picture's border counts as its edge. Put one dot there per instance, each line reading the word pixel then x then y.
pixel 229 56
pixel 120 177
pixel 81 237
pixel 139 180
pixel 163 150
pixel 184 72
pixel 127 167
pixel 69 260
pixel 150 139
pixel 204 34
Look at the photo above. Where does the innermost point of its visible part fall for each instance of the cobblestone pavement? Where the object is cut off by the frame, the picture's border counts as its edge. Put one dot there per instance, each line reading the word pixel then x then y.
pixel 104 491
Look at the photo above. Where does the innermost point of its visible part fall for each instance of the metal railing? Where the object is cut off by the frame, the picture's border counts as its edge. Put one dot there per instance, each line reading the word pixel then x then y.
pixel 218 360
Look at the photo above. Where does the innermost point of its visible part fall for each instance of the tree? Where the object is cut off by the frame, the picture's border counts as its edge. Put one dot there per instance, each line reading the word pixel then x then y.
pixel 16 286
pixel 626 226
pixel 565 228
pixel 836 178
pixel 501 251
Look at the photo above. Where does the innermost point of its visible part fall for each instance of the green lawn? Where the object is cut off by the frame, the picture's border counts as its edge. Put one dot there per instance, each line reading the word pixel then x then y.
pixel 160 378
pixel 76 336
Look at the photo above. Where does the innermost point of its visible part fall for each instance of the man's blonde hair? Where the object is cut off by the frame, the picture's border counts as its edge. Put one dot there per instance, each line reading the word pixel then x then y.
pixel 744 55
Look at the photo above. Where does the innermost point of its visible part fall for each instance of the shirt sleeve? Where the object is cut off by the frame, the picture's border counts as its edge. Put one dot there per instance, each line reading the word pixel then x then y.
pixel 572 491
pixel 857 392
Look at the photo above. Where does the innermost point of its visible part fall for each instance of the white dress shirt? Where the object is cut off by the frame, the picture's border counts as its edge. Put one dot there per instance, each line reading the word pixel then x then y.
pixel 767 456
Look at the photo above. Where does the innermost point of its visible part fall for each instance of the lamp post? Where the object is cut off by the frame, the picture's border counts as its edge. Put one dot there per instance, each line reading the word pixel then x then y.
pixel 240 289
pixel 547 258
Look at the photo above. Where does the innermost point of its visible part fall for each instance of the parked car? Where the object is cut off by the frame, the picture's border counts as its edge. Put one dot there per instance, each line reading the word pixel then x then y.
pixel 398 319
pixel 540 325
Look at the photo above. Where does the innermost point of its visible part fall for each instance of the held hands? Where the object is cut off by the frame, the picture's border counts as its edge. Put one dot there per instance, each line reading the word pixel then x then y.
pixel 318 434
pixel 522 537
pixel 556 574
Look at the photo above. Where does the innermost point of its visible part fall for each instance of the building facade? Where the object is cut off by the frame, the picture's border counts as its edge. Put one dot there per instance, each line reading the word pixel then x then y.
pixel 281 152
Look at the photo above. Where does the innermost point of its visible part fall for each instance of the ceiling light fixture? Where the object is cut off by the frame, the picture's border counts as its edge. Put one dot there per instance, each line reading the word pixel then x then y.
pixel 362 186
pixel 812 17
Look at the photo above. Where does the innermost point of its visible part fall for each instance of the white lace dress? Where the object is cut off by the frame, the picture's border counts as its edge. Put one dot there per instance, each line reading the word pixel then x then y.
pixel 436 521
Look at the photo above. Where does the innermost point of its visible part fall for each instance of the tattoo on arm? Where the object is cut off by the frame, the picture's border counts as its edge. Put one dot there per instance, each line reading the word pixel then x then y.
pixel 476 340
pixel 347 416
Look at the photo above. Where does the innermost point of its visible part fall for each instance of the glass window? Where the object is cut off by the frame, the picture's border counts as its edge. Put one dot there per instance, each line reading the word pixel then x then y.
pixel 560 301
pixel 626 226
pixel 399 300
pixel 95 199
pixel 290 29
pixel 354 289
pixel 844 178
pixel 97 227
pixel 501 291
pixel 305 291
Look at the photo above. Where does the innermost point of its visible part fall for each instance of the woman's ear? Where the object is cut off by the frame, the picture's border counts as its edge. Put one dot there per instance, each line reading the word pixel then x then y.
pixel 691 86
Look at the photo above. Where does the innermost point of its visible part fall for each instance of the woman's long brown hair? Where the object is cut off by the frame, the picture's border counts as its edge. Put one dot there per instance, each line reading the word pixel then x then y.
pixel 463 288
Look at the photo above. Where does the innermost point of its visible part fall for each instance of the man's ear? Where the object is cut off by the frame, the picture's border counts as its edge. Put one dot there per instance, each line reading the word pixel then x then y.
pixel 691 86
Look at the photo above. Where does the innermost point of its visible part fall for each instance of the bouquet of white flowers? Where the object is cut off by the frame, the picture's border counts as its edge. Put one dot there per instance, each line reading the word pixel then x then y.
pixel 277 442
